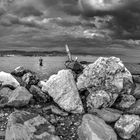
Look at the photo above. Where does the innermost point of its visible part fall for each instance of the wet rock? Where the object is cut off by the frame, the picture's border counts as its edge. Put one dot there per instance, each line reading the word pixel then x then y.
pixel 63 90
pixel 134 109
pixel 19 71
pixel 94 128
pixel 101 99
pixel 125 102
pixel 127 126
pixel 15 98
pixel 136 78
pixel 8 79
pixel 136 93
pixel 38 94
pixel 30 79
pixel 74 66
pixel 107 74
pixel 107 114
pixel 28 126
pixel 55 110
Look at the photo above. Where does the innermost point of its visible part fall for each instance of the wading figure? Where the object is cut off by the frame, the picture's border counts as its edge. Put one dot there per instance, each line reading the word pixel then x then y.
pixel 41 61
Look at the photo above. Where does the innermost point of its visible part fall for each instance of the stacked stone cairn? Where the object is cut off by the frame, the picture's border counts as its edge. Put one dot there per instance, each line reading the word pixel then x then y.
pixel 96 101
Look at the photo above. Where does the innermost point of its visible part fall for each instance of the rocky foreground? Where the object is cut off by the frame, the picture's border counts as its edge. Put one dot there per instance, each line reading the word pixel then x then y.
pixel 97 101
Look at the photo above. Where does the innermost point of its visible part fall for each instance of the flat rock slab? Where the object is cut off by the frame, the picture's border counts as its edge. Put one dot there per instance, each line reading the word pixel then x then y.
pixel 107 114
pixel 94 128
pixel 62 88
pixel 28 126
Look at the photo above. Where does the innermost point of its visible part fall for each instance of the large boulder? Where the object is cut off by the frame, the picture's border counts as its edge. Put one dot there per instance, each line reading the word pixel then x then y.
pixel 94 128
pixel 8 79
pixel 127 126
pixel 62 88
pixel 106 73
pixel 15 98
pixel 28 126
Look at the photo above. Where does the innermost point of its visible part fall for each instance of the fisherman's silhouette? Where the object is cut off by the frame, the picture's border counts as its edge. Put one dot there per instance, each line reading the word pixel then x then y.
pixel 41 61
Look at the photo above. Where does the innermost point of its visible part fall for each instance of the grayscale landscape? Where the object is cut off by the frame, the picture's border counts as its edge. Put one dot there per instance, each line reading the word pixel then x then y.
pixel 69 69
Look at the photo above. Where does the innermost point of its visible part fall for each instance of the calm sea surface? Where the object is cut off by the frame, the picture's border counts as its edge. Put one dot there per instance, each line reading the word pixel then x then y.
pixel 50 64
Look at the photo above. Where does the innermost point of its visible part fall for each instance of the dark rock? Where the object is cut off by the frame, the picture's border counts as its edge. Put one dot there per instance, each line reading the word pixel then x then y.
pixel 83 95
pixel 74 66
pixel 8 79
pixel 19 71
pixel 101 99
pixel 127 126
pixel 62 88
pixel 136 78
pixel 134 109
pixel 30 79
pixel 28 126
pixel 125 102
pixel 85 62
pixel 136 93
pixel 107 74
pixel 94 128
pixel 38 95
pixel 107 114
pixel 55 110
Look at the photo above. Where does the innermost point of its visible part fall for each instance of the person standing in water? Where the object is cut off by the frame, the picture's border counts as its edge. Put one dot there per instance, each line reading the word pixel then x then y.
pixel 41 61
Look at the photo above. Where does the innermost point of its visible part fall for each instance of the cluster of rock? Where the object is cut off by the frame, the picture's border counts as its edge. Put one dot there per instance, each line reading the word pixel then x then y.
pixel 98 101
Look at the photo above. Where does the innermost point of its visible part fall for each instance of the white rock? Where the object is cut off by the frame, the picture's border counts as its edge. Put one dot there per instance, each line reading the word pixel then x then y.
pixel 8 79
pixel 62 88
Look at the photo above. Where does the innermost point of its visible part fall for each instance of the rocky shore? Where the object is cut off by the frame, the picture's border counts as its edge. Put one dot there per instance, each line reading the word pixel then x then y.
pixel 96 101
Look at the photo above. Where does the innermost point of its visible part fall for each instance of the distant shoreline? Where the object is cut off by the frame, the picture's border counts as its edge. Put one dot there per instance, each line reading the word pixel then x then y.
pixel 9 53
pixel 30 53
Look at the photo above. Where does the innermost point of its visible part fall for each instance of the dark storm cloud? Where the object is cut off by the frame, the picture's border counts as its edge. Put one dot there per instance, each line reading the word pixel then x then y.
pixel 50 7
pixel 125 21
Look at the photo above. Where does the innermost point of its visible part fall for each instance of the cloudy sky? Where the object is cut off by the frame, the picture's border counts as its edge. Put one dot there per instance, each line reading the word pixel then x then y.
pixel 38 25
